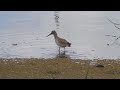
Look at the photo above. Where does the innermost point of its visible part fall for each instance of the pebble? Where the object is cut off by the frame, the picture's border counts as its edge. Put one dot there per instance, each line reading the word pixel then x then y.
pixel 100 66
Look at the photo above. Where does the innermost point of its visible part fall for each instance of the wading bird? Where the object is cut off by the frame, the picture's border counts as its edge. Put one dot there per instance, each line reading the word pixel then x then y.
pixel 62 43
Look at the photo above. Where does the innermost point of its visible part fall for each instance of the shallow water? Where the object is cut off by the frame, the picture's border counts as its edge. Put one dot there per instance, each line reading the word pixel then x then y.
pixel 23 34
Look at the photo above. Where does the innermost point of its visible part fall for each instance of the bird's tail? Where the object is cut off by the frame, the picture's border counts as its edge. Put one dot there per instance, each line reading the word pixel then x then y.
pixel 69 44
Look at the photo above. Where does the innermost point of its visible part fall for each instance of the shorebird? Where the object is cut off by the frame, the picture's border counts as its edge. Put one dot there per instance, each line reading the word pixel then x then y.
pixel 62 43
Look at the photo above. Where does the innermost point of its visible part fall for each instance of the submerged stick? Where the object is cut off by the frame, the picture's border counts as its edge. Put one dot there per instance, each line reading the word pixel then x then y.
pixel 115 24
pixel 112 22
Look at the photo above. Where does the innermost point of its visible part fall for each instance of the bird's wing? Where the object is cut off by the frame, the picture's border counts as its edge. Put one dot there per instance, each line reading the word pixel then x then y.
pixel 63 41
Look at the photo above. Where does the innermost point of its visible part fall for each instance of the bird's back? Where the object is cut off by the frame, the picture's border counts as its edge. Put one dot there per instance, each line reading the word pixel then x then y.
pixel 62 42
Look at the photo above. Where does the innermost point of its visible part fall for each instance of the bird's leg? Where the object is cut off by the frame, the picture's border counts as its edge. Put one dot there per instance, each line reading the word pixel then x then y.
pixel 59 50
pixel 64 50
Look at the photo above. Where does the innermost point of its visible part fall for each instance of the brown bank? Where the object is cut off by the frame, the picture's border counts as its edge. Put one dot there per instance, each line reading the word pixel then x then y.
pixel 59 69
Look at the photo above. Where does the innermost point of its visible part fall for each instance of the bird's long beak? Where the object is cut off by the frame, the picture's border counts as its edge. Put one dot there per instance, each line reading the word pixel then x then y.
pixel 49 35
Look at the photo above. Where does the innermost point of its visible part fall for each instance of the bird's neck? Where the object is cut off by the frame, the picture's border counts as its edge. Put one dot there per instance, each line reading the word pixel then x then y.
pixel 55 35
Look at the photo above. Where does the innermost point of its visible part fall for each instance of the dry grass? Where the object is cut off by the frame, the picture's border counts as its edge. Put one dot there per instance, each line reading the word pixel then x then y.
pixel 111 70
pixel 58 69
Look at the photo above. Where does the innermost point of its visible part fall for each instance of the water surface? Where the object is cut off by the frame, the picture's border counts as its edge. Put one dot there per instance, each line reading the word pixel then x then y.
pixel 23 34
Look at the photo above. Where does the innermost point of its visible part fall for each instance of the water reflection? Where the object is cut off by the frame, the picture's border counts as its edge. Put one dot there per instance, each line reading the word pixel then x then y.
pixel 62 55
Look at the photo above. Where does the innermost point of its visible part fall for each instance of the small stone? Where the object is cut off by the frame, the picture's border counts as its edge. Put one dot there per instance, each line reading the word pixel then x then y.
pixel 77 62
pixel 14 44
pixel 100 66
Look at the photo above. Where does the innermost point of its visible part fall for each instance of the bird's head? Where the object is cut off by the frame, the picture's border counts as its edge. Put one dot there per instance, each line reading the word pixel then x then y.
pixel 52 32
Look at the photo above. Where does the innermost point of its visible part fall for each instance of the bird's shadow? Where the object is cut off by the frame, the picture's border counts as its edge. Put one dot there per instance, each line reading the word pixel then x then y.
pixel 62 55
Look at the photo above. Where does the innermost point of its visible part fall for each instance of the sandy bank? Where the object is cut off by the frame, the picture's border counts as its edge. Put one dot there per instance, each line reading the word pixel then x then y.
pixel 58 69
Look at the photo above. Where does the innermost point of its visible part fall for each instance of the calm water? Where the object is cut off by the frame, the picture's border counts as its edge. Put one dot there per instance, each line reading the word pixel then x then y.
pixel 23 34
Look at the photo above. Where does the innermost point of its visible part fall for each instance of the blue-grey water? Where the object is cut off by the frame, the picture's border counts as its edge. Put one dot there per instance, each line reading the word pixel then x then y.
pixel 23 34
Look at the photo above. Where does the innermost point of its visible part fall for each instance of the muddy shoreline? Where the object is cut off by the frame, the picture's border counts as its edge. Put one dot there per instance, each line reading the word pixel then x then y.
pixel 34 68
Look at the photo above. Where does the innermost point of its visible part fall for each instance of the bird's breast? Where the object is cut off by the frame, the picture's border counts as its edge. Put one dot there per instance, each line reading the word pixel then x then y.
pixel 57 42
